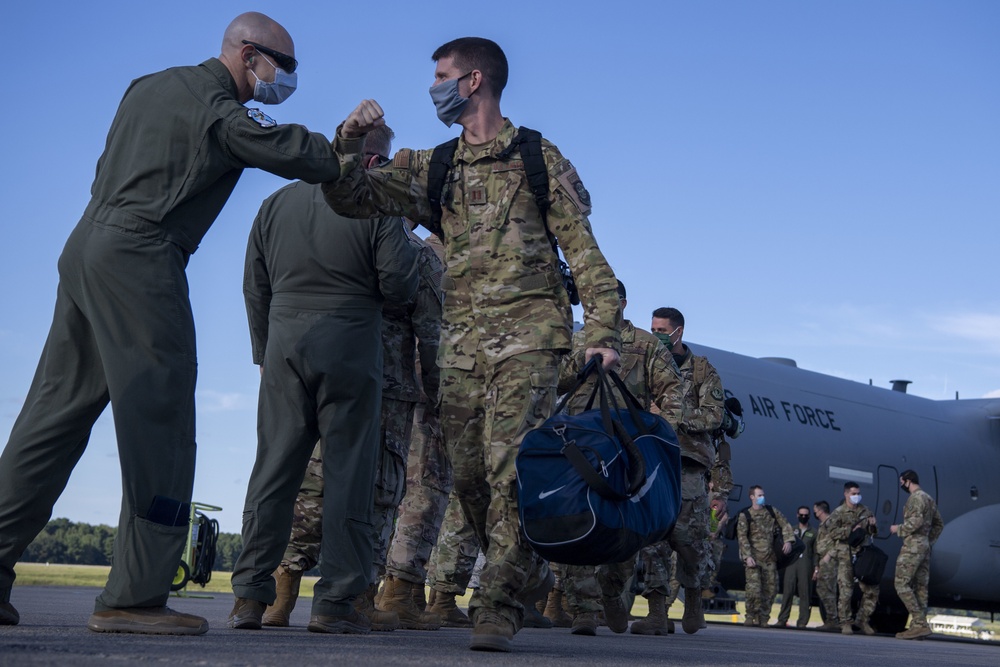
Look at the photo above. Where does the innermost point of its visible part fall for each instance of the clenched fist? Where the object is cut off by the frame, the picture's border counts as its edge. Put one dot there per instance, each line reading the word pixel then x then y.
pixel 367 116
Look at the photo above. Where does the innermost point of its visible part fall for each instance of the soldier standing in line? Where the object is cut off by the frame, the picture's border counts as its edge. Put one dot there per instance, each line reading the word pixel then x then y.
pixel 755 534
pixel 123 331
pixel 825 570
pixel 851 517
pixel 798 575
pixel 507 315
pixel 648 371
pixel 409 330
pixel 921 527
pixel 704 414
pixel 315 284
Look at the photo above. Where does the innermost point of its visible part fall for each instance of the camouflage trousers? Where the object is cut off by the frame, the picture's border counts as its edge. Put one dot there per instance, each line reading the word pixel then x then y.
pixel 715 548
pixel 762 587
pixel 485 412
pixel 826 589
pixel 913 571
pixel 845 591
pixel 691 530
pixel 454 555
pixel 303 548
pixel 428 484
pixel 584 585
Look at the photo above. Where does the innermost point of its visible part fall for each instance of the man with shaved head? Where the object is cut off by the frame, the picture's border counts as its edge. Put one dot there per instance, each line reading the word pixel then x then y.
pixel 123 331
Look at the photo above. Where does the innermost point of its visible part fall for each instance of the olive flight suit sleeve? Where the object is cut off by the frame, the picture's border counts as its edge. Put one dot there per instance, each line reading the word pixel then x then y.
pixel 395 261
pixel 287 150
pixel 257 286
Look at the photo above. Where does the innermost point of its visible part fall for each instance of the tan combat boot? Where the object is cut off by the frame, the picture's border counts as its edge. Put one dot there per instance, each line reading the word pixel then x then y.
pixel 656 622
pixel 381 621
pixel 585 624
pixel 492 631
pixel 287 584
pixel 691 621
pixel 397 596
pixel 554 610
pixel 915 632
pixel 865 626
pixel 449 613
pixel 419 597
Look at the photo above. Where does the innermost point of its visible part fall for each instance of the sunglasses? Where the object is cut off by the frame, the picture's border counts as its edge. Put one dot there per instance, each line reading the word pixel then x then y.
pixel 285 62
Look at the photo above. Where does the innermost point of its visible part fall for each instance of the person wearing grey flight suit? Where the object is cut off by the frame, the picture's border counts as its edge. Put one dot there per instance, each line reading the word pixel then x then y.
pixel 314 287
pixel 123 331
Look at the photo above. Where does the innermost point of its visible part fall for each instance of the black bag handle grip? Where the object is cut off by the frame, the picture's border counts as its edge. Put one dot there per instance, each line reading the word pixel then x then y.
pixel 614 428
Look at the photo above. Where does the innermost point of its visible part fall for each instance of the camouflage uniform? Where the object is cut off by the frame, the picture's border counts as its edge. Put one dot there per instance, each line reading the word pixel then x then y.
pixel 416 331
pixel 826 574
pixel 648 371
pixel 842 521
pixel 755 535
pixel 454 556
pixel 401 326
pixel 507 319
pixel 703 411
pixel 921 527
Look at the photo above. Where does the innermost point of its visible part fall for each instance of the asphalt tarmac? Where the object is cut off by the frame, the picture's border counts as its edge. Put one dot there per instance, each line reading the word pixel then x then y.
pixel 53 632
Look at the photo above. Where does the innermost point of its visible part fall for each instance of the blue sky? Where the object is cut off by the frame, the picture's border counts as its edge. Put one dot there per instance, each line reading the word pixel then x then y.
pixel 815 180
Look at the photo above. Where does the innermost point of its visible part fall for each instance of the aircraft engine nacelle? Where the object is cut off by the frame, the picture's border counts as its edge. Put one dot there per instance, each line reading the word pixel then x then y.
pixel 968 548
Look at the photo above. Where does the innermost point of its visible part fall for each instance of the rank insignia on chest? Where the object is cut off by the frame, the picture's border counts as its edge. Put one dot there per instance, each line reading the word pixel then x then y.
pixel 477 196
pixel 261 118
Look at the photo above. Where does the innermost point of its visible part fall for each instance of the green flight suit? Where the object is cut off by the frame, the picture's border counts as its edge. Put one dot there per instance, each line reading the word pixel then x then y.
pixel 314 286
pixel 123 331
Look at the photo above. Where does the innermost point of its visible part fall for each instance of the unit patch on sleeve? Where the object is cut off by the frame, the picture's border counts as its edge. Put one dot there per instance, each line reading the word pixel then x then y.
pixel 571 182
pixel 261 118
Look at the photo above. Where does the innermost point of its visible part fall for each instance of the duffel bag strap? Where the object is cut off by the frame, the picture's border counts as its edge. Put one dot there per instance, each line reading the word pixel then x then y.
pixel 615 429
pixel 581 378
pixel 589 475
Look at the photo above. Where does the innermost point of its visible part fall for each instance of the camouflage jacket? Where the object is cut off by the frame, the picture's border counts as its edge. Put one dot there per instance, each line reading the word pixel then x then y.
pixel 755 533
pixel 503 291
pixel 842 521
pixel 921 519
pixel 411 329
pixel 704 406
pixel 646 367
pixel 823 542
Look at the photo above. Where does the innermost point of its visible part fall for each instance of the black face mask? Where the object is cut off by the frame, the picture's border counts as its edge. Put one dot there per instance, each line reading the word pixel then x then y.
pixel 905 487
pixel 803 518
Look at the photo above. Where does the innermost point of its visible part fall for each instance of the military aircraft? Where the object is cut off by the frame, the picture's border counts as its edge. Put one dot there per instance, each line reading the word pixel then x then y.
pixel 808 433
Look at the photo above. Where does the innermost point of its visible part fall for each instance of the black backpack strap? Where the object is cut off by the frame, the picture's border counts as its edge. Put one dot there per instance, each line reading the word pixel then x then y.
pixel 442 162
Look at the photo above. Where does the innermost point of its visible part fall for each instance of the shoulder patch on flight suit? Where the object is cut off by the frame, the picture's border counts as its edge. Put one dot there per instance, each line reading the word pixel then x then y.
pixel 261 118
pixel 717 394
pixel 571 182
pixel 401 160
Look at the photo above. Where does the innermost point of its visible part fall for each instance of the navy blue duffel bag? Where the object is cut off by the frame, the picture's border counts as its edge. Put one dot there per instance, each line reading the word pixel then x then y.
pixel 596 487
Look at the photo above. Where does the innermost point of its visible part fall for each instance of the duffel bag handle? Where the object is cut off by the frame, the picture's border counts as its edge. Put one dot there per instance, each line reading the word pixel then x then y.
pixel 614 427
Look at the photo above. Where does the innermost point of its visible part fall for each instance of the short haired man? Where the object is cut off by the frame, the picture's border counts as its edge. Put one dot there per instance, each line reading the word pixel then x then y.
pixel 849 517
pixel 315 284
pixel 123 330
pixel 704 413
pixel 825 570
pixel 755 536
pixel 507 316
pixel 921 527
pixel 798 576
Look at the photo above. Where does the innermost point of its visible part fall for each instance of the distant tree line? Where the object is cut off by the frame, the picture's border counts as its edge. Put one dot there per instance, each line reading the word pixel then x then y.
pixel 65 542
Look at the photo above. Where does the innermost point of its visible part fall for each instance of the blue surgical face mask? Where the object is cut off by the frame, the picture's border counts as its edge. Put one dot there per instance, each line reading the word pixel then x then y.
pixel 856 498
pixel 760 500
pixel 447 101
pixel 278 90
